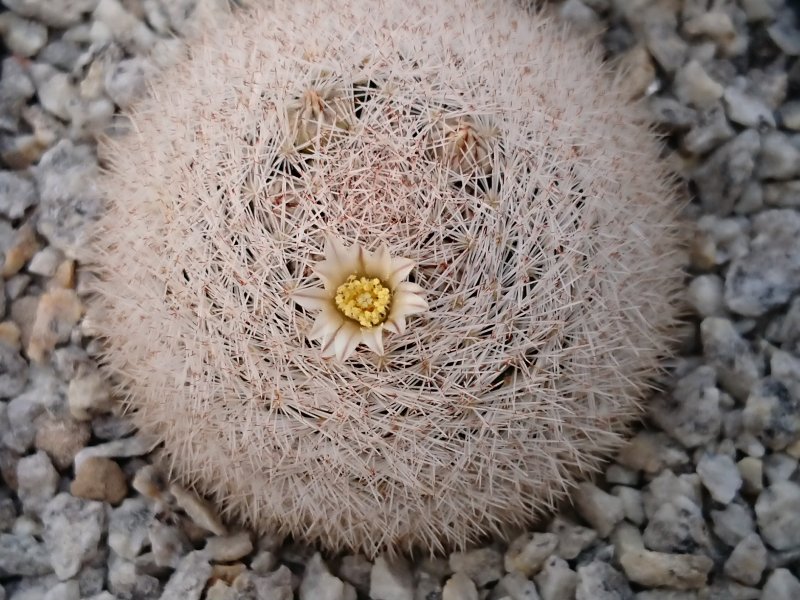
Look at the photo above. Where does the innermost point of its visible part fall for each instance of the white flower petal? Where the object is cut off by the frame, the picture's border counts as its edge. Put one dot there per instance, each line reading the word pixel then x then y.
pixel 399 270
pixel 379 264
pixel 373 338
pixel 312 298
pixel 346 258
pixel 326 325
pixel 332 274
pixel 395 324
pixel 347 338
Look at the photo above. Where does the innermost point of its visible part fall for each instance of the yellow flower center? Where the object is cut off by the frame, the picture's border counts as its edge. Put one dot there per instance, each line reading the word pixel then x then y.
pixel 364 300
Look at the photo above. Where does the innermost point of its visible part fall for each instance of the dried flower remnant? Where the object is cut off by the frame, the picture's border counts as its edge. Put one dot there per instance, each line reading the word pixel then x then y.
pixel 318 115
pixel 364 294
pixel 463 144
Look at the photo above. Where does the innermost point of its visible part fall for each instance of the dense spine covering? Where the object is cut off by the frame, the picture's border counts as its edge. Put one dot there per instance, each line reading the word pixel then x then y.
pixel 477 140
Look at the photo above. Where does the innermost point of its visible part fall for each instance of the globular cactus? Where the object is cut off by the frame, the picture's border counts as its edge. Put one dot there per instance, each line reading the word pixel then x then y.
pixel 466 153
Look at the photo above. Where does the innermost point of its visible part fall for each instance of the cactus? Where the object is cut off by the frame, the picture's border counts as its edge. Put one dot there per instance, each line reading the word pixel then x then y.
pixel 532 225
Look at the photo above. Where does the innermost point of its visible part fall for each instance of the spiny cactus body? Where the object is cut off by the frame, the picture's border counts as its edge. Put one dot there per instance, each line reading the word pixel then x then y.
pixel 477 141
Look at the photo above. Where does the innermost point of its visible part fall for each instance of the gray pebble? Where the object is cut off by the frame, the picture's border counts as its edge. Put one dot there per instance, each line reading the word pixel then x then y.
pixel 601 510
pixel 22 36
pixel 769 275
pixel 37 481
pixel 737 367
pixel 128 527
pixel 13 370
pixel 778 514
pixel 781 585
pixel 17 194
pixel 782 194
pixel 69 201
pixel 556 581
pixel 779 158
pixel 721 178
pixel 747 561
pixel 677 527
pixel 601 581
pixel 691 413
pixel 189 579
pixel 58 13
pixel 733 524
pixel 747 110
pixel 73 528
pixel 710 131
pixel 23 555
pixel 482 565
pixel 789 115
pixel 720 476
pixel 772 412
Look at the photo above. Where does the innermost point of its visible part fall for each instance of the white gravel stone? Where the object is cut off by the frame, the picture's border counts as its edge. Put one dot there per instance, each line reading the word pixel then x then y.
pixel 572 538
pixel 23 555
pixel 657 569
pixel 37 482
pixel 747 110
pixel 189 579
pixel 459 587
pixel 137 445
pixel 737 367
pixel 778 513
pixel 483 565
pixel 601 581
pixel 72 531
pixel 17 194
pixel 720 476
pixel 705 295
pixel 229 548
pixel 747 561
pixel 779 158
pixel 319 584
pixel 601 510
pixel 772 412
pixel 128 527
pixel 733 524
pixel 168 544
pixel 632 504
pixel 125 82
pixel 677 526
pixel 13 376
pixel 69 200
pixel 691 413
pixel 66 590
pixel 528 553
pixel 693 85
pixel 781 585
pixel 391 580
pixel 556 581
pixel 55 13
pixel 22 36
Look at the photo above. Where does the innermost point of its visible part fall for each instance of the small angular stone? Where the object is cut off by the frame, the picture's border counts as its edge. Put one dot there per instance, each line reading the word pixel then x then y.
pixel 100 478
pixel 720 476
pixel 391 580
pixel 483 565
pixel 37 481
pixel 657 569
pixel 781 585
pixel 229 548
pixel 556 581
pixel 128 527
pixel 528 553
pixel 747 561
pixel 189 579
pixel 601 581
pixel 459 587
pixel 778 514
pixel 72 532
pixel 601 510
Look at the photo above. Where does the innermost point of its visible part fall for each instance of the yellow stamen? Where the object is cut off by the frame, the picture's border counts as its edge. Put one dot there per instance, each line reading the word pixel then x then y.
pixel 364 300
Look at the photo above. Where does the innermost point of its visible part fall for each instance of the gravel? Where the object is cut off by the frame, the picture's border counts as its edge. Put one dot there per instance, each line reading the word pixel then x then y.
pixel 704 501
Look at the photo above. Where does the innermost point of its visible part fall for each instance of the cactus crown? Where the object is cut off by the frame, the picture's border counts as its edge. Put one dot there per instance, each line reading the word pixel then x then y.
pixel 477 142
